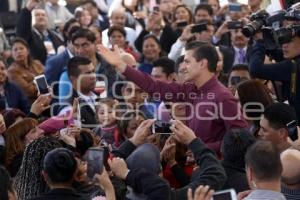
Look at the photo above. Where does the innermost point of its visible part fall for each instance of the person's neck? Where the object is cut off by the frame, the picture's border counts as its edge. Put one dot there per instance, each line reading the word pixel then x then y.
pixel 156 32
pixel 86 93
pixel 254 9
pixel 203 79
pixel 283 146
pixel 23 63
pixel 41 29
pixel 94 60
pixel 269 185
pixel 240 46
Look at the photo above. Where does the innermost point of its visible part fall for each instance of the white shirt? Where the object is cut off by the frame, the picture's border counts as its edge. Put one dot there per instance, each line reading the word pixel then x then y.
pixel 130 37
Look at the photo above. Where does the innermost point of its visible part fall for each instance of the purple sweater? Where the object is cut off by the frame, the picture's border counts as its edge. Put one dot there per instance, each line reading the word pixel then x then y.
pixel 211 109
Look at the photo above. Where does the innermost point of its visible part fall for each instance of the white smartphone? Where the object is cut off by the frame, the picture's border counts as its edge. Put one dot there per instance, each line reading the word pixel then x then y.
pixel 41 84
pixel 229 194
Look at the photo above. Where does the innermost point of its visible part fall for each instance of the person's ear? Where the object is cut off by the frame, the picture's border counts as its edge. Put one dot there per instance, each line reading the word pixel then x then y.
pixel 283 134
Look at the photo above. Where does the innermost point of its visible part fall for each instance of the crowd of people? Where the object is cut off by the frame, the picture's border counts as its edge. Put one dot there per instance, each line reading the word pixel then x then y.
pixel 149 99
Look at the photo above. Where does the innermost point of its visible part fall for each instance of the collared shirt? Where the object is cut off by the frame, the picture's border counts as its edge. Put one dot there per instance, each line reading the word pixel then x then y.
pixel 237 52
pixel 211 109
pixel 265 195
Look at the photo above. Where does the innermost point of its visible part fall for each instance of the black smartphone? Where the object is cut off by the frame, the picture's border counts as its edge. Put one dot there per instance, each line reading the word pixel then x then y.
pixel 41 84
pixel 161 127
pixel 94 158
pixel 234 25
pixel 198 28
pixel 235 7
pixel 235 80
pixel 156 8
pixel 182 24
pixel 293 131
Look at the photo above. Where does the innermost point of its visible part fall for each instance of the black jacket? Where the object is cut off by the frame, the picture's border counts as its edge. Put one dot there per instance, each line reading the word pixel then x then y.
pixel 36 43
pixel 280 71
pixel 237 178
pixel 167 39
pixel 229 55
pixel 4 5
pixel 60 194
pixel 210 170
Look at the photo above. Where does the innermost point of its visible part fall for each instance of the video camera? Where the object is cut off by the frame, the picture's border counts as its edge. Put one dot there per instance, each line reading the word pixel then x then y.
pixel 274 34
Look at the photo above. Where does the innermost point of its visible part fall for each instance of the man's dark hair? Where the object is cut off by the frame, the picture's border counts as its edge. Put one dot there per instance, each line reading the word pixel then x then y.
pixel 237 67
pixel 206 7
pixel 264 159
pixel 203 50
pixel 73 30
pixel 179 60
pixel 93 3
pixel 60 165
pixel 279 115
pixel 166 64
pixel 84 33
pixel 235 144
pixel 67 26
pixel 116 28
pixel 74 63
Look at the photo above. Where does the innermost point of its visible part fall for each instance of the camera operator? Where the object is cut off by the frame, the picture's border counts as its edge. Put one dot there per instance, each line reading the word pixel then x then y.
pixel 287 71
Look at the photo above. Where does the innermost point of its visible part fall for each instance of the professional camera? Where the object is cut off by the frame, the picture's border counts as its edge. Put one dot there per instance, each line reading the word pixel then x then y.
pixel 273 23
pixel 292 14
pixel 286 34
pixel 257 19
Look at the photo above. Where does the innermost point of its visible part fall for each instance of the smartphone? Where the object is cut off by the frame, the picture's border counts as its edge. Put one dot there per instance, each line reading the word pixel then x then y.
pixel 94 158
pixel 225 195
pixel 41 84
pixel 235 80
pixel 293 131
pixel 161 127
pixel 235 7
pixel 198 28
pixel 182 24
pixel 156 9
pixel 234 25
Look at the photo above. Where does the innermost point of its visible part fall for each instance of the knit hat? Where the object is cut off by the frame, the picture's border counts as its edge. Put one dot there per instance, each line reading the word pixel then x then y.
pixel 235 145
pixel 146 156
pixel 60 165
pixel 29 182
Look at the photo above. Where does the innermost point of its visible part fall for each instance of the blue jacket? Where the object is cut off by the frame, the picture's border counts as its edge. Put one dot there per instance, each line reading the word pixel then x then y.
pixel 55 66
pixel 14 98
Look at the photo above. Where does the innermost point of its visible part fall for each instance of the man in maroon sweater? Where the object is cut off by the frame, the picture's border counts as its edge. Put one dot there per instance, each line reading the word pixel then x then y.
pixel 211 108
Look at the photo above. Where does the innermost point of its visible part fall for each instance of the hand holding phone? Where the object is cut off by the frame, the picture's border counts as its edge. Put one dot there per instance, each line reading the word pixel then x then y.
pixel 94 158
pixel 234 25
pixel 198 28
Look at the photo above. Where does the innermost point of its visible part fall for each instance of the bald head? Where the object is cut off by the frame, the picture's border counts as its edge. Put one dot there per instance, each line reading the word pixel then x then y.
pixel 118 17
pixel 290 160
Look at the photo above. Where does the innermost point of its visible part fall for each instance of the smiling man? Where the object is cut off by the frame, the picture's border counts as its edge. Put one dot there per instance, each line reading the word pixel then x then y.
pixel 211 108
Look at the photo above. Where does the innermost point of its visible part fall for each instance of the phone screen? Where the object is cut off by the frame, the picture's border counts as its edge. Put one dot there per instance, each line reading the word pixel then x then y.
pixel 235 25
pixel 94 159
pixel 235 7
pixel 161 127
pixel 42 85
